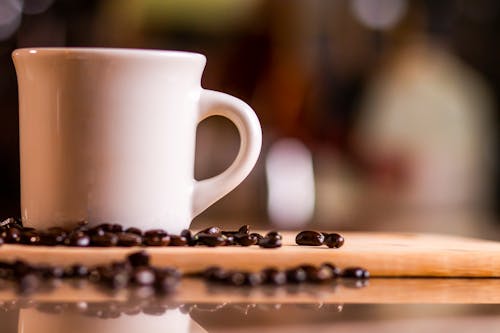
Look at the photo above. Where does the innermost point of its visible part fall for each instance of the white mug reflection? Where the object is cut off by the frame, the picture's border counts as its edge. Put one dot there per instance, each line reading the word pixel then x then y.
pixel 35 321
pixel 290 183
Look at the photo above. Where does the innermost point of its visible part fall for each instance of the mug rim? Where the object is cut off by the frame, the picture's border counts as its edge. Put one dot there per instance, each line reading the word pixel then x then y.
pixel 107 51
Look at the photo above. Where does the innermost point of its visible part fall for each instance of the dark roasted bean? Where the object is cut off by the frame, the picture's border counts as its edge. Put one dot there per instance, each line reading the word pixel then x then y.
pixel 106 239
pixel 270 243
pixel 79 271
pixel 334 240
pixel 230 240
pixel 274 234
pixel 156 239
pixel 296 275
pixel 274 276
pixel 189 237
pixel 47 271
pixel 209 231
pixel 244 229
pixel 116 280
pixel 315 274
pixel 21 268
pixel 129 239
pixel 138 259
pixel 12 235
pixel 310 238
pixel 246 239
pixel 77 238
pixel 143 276
pixel 257 235
pixel 177 240
pixel 165 283
pixel 29 237
pixel 133 230
pixel 211 240
pixel 355 272
pixel 155 232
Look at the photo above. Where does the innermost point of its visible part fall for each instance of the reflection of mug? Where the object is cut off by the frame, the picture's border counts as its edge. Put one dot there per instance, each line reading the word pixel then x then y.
pixel 34 321
pixel 108 135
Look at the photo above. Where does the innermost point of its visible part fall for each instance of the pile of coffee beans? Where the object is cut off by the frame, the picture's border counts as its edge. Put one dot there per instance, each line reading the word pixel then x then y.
pixel 315 238
pixel 134 271
pixel 109 235
pixel 273 276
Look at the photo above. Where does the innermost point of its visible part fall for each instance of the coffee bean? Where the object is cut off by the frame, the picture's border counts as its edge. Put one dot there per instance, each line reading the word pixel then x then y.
pixel 244 229
pixel 257 235
pixel 274 276
pixel 189 237
pixel 12 235
pixel 156 238
pixel 105 239
pixel 47 271
pixel 77 238
pixel 79 271
pixel 138 259
pixel 355 272
pixel 230 240
pixel 274 234
pixel 177 240
pixel 165 283
pixel 116 279
pixel 21 268
pixel 210 231
pixel 310 238
pixel 334 240
pixel 128 239
pixel 155 233
pixel 211 240
pixel 133 230
pixel 270 243
pixel 143 276
pixel 246 239
pixel 235 278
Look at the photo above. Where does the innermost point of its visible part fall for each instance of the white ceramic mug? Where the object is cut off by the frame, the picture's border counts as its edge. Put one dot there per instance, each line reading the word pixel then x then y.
pixel 108 135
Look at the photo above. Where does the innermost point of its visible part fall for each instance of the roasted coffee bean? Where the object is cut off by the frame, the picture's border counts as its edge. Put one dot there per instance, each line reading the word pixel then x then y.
pixel 133 230
pixel 77 238
pixel 12 235
pixel 296 275
pixel 177 240
pixel 165 283
pixel 138 259
pixel 143 276
pixel 246 239
pixel 244 229
pixel 129 239
pixel 270 243
pixel 315 274
pixel 79 271
pixel 209 231
pixel 8 222
pixel 211 240
pixel 155 232
pixel 274 234
pixel 156 239
pixel 334 240
pixel 274 276
pixel 29 237
pixel 230 240
pixel 21 268
pixel 355 272
pixel 235 278
pixel 51 239
pixel 257 235
pixel 215 273
pixel 310 238
pixel 116 279
pixel 189 237
pixel 106 239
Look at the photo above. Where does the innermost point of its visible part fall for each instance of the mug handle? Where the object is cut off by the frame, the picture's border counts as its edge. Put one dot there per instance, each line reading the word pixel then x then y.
pixel 214 103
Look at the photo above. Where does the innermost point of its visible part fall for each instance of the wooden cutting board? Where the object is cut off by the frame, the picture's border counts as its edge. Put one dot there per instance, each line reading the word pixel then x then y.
pixel 383 254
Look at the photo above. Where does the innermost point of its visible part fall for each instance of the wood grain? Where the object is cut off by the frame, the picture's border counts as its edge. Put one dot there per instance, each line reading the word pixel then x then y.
pixel 383 254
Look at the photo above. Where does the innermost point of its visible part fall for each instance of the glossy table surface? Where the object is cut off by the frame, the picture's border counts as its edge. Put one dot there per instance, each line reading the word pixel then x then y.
pixel 375 305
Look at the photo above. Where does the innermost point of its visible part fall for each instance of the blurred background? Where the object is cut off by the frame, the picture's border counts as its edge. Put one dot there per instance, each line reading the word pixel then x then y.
pixel 376 114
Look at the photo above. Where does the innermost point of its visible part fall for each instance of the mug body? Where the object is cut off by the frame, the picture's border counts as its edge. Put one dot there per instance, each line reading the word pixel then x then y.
pixel 107 135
